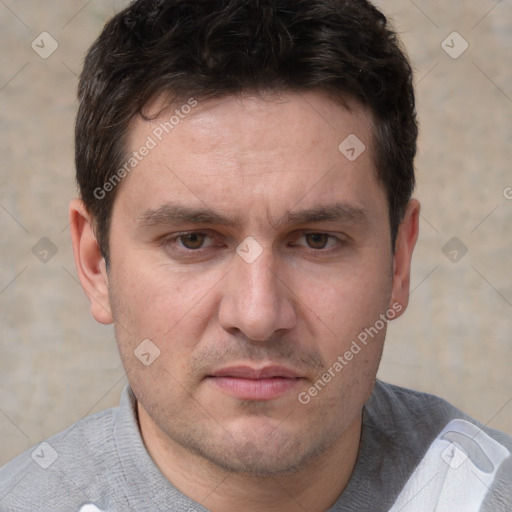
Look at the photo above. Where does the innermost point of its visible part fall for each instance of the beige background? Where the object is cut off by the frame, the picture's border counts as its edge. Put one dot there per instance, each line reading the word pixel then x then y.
pixel 58 365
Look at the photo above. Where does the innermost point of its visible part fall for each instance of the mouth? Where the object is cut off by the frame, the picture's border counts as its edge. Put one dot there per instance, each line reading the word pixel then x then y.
pixel 248 383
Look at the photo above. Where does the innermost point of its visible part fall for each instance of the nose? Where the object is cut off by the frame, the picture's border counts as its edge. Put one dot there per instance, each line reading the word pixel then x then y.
pixel 256 300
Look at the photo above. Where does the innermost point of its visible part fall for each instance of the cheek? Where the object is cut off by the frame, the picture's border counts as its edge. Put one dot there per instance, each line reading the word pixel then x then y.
pixel 170 309
pixel 349 336
pixel 343 309
pixel 162 303
pixel 345 300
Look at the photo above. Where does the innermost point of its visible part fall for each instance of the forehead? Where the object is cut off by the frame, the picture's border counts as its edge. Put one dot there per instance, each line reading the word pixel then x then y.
pixel 267 152
pixel 251 121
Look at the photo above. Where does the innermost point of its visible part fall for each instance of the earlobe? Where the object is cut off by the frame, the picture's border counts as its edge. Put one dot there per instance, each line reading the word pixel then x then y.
pixel 89 262
pixel 404 247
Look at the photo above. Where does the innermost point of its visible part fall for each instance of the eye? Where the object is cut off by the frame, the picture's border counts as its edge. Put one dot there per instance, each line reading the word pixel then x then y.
pixel 317 240
pixel 189 243
pixel 192 241
pixel 320 244
pixel 193 246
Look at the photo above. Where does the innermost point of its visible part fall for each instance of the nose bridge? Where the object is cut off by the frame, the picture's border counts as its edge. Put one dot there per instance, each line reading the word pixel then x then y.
pixel 259 280
pixel 255 300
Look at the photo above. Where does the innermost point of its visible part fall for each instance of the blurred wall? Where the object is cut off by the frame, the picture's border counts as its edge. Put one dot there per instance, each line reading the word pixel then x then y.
pixel 58 365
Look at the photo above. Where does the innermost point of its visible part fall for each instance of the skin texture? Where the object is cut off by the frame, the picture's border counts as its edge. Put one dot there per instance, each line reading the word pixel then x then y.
pixel 299 304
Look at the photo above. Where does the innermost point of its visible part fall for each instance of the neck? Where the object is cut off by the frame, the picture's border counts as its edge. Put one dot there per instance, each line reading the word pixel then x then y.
pixel 314 488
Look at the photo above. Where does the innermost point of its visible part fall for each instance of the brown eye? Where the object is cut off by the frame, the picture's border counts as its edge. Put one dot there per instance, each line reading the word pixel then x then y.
pixel 317 240
pixel 193 240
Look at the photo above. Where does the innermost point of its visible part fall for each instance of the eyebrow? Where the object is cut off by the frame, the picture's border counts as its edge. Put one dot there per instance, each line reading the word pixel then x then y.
pixel 340 212
pixel 180 214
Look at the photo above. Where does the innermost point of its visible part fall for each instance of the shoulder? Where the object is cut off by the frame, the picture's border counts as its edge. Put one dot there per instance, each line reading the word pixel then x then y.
pixel 408 410
pixel 58 470
pixel 408 403
pixel 98 464
pixel 459 462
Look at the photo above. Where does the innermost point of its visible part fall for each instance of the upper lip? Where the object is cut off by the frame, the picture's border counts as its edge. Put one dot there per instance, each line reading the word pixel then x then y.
pixel 248 372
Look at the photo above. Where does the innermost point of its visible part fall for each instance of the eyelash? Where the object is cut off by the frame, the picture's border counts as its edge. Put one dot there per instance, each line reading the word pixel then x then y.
pixel 174 241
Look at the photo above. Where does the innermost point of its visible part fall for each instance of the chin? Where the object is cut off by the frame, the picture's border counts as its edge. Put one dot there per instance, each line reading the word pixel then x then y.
pixel 264 455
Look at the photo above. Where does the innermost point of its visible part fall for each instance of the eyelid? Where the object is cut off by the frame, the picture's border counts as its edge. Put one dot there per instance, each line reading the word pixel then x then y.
pixel 171 245
pixel 178 234
pixel 303 232
pixel 339 238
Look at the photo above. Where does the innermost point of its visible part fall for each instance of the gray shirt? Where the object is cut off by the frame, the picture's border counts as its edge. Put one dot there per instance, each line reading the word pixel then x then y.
pixel 102 460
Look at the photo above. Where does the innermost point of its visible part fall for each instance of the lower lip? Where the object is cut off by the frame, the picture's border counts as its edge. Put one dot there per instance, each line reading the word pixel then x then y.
pixel 255 389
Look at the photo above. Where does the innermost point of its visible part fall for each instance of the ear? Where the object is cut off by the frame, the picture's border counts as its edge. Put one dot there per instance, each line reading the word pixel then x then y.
pixel 89 262
pixel 404 247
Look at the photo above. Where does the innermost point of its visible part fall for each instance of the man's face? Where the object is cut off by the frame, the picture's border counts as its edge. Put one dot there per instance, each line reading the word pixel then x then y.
pixel 244 333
